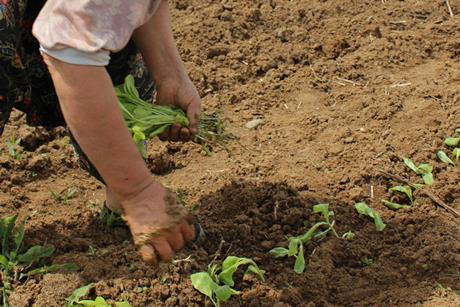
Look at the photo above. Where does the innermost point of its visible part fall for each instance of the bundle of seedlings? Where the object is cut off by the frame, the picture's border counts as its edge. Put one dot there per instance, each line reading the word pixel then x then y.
pixel 146 120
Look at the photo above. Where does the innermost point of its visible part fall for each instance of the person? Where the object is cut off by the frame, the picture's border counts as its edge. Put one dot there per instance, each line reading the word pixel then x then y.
pixel 59 63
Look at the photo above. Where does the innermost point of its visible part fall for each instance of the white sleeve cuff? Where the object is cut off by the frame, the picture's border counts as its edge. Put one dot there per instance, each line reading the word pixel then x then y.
pixel 74 56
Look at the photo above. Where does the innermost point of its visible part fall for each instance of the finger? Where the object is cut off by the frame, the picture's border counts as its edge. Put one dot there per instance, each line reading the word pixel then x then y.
pixel 193 115
pixel 184 134
pixel 174 133
pixel 165 135
pixel 188 231
pixel 175 239
pixel 147 253
pixel 163 249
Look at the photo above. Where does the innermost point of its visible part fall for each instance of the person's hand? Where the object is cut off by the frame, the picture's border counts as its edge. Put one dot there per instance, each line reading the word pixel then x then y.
pixel 183 94
pixel 158 225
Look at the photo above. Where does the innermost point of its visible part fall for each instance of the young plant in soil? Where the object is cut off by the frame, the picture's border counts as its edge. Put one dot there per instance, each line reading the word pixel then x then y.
pixel 64 196
pixel 11 145
pixel 17 265
pixel 454 144
pixel 363 209
pixel 424 170
pixel 296 244
pixel 75 299
pixel 404 190
pixel 217 283
pixel 110 219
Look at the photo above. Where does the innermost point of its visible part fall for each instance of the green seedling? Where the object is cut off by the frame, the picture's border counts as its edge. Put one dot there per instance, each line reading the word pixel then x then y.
pixel 110 219
pixel 452 142
pixel 366 261
pixel 424 170
pixel 11 144
pixel 407 190
pixel 64 196
pixel 217 283
pixel 15 264
pixel 444 157
pixel 75 299
pixel 363 209
pixel 296 244
pixel 393 205
pixel 456 153
pixel 349 236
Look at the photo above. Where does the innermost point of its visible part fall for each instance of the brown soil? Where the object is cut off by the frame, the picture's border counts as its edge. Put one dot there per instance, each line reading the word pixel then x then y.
pixel 345 88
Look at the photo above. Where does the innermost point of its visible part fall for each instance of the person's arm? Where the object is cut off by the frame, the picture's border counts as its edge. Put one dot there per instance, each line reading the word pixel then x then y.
pixel 156 42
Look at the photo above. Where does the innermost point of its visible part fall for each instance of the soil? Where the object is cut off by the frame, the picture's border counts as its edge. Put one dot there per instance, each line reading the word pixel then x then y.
pixel 344 88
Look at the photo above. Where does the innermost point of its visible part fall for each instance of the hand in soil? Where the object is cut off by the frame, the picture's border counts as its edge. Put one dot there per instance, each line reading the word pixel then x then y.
pixel 158 224
pixel 184 95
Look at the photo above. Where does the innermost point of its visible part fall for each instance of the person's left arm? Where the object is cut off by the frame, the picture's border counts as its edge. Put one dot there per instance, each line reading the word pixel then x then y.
pixel 155 41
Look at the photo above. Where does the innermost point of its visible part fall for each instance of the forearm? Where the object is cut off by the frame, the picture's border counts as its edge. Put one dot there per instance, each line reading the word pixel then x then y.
pixel 155 41
pixel 90 108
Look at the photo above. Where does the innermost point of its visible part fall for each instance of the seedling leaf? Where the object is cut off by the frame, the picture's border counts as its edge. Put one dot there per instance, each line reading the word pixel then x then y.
pixel 299 265
pixel 256 270
pixel 203 282
pixel 349 236
pixel 279 252
pixel 35 253
pixel 54 268
pixel 405 190
pixel 394 206
pixel 428 179
pixel 425 169
pixel 444 158
pixel 457 130
pixel 230 265
pixel 98 302
pixel 452 142
pixel 77 295
pixel 293 248
pixel 4 262
pixel 364 209
pixel 324 210
pixel 410 164
pixel 223 293
pixel 122 304
pixel 456 153
pixel 6 227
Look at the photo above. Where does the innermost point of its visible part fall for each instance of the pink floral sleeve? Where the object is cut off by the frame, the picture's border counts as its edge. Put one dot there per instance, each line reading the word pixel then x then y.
pixel 90 26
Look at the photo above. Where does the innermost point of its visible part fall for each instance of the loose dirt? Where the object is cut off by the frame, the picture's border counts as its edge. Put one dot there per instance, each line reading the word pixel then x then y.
pixel 344 88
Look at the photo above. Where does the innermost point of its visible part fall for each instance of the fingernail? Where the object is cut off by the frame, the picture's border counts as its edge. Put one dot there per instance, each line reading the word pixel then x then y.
pixel 199 232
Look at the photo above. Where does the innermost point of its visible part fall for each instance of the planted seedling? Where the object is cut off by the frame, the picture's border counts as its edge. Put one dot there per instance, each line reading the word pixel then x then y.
pixel 364 209
pixel 405 190
pixel 15 264
pixel 424 170
pixel 444 158
pixel 11 144
pixel 296 244
pixel 75 299
pixel 456 153
pixel 110 219
pixel 452 142
pixel 64 196
pixel 349 236
pixel 217 283
pixel 366 261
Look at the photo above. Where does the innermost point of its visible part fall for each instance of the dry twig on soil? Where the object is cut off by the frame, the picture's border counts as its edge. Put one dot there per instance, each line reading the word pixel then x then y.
pixel 451 13
pixel 433 197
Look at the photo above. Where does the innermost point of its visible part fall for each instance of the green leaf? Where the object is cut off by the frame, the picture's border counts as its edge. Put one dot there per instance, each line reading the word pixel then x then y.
pixel 364 209
pixel 279 252
pixel 35 253
pixel 6 227
pixel 456 153
pixel 224 293
pixel 452 142
pixel 4 262
pixel 394 206
pixel 77 295
pixel 122 304
pixel 256 270
pixel 444 158
pixel 98 302
pixel 309 234
pixel 419 185
pixel 203 282
pixel 424 169
pixel 18 235
pixel 299 265
pixel 405 190
pixel 410 164
pixel 457 130
pixel 428 179
pixel 53 268
pixel 324 210
pixel 229 266
pixel 349 236
pixel 293 247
